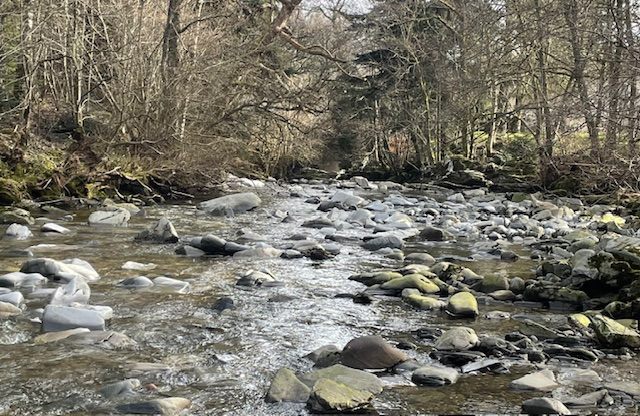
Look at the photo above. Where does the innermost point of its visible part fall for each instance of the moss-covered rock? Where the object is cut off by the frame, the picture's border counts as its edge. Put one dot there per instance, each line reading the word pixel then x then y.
pixel 463 304
pixel 414 281
pixel 285 387
pixel 11 191
pixel 613 334
pixel 329 396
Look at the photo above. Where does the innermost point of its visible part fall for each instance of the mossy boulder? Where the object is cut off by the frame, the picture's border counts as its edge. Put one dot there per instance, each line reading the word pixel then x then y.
pixel 330 396
pixel 463 304
pixel 493 283
pixel 11 191
pixel 613 334
pixel 413 297
pixel 413 281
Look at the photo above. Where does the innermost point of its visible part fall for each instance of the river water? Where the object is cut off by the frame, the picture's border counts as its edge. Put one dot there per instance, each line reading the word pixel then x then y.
pixel 224 362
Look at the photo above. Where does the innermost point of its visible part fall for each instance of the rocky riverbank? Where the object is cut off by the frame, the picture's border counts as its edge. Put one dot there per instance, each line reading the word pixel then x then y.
pixel 323 296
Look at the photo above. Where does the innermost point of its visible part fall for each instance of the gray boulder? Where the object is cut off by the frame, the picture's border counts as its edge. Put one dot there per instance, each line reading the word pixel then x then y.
pixel 19 279
pixel 76 290
pixel 136 282
pixel 51 227
pixel 236 203
pixel 543 380
pixel 285 387
pixel 110 216
pixel 161 232
pixel 330 396
pixel 60 318
pixel 544 406
pixel 65 270
pixel 383 242
pixel 435 234
pixel 166 406
pixel 19 232
pixel 612 334
pixel 434 376
pixel 459 338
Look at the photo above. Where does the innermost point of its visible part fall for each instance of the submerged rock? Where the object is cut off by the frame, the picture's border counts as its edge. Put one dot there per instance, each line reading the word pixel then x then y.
pixel 236 203
pixel 65 270
pixel 167 406
pixel 120 388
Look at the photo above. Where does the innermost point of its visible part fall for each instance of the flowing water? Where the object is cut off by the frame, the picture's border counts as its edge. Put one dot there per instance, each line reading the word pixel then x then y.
pixel 224 362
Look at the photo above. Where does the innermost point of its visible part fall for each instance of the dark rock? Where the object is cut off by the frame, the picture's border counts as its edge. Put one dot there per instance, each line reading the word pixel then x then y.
pixel 371 352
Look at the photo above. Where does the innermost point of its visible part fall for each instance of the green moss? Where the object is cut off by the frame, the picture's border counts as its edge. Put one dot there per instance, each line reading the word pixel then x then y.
pixel 11 191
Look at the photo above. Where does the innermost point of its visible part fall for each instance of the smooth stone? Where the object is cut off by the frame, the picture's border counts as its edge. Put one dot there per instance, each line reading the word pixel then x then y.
pixel 166 406
pixel 323 352
pixel 77 290
pixel 457 339
pixel 285 387
pixel 540 381
pixel 161 232
pixel 258 252
pixel 494 283
pixel 136 282
pixel 16 215
pixel 8 309
pixel 18 231
pixel 51 227
pixel 371 352
pixel 529 327
pixel 60 318
pixel 65 270
pixel 544 406
pixel 105 311
pixel 330 396
pixel 134 265
pixel 48 337
pixel 422 302
pixel 579 375
pixel 237 203
pixel 111 216
pixel 434 376
pixel 120 388
pixel 424 258
pixel 463 304
pixel 411 281
pixel 383 242
pixel 190 251
pixel 176 285
pixel 503 295
pixel 14 298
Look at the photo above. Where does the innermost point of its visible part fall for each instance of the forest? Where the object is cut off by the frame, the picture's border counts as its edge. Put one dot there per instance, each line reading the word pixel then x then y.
pixel 96 94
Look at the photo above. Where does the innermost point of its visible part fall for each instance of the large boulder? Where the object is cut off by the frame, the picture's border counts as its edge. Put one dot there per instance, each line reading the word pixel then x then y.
pixel 463 304
pixel 493 283
pixel 544 406
pixel 429 233
pixel 613 334
pixel 329 396
pixel 18 231
pixel 19 279
pixel 357 379
pixel 112 216
pixel 285 387
pixel 77 290
pixel 234 203
pixel 383 242
pixel 371 352
pixel 65 270
pixel 60 318
pixel 459 338
pixel 160 232
pixel 16 215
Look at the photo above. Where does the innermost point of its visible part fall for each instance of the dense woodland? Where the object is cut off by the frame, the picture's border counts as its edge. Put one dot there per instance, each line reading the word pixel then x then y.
pixel 185 91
